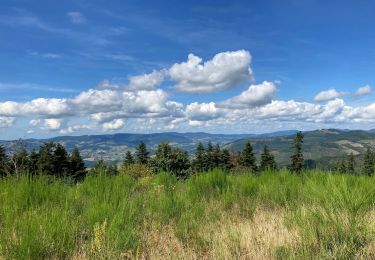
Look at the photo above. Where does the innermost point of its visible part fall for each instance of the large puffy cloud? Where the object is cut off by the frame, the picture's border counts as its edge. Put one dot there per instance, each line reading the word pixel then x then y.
pixel 146 81
pixel 143 105
pixel 39 106
pixel 225 70
pixel 328 95
pixel 255 95
pixel 362 91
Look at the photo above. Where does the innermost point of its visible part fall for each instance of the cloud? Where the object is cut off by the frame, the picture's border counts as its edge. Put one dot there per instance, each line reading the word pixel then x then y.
pixel 75 128
pixel 225 70
pixel 52 124
pixel 6 121
pixel 46 55
pixel 328 95
pixel 203 111
pixel 76 17
pixel 146 81
pixel 114 124
pixel 255 95
pixel 363 91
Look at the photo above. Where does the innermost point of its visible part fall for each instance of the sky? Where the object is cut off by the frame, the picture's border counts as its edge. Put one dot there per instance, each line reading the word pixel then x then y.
pixel 79 67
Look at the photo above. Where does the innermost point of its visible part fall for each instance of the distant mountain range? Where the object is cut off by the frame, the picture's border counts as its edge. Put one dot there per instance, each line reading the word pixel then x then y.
pixel 319 145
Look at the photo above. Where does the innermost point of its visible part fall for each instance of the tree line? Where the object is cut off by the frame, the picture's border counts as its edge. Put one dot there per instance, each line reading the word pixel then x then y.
pixel 53 159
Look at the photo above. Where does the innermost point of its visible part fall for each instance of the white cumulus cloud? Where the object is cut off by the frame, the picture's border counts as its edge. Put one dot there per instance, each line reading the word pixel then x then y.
pixel 363 91
pixel 52 123
pixel 328 95
pixel 114 124
pixel 225 70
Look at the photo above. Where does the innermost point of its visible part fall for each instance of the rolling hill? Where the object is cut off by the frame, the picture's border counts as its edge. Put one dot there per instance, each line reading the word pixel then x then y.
pixel 320 145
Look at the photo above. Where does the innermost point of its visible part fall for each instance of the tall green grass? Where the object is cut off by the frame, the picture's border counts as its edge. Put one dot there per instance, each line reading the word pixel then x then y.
pixel 108 215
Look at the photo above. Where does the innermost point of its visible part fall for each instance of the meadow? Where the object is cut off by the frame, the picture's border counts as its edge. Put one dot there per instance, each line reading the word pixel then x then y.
pixel 213 215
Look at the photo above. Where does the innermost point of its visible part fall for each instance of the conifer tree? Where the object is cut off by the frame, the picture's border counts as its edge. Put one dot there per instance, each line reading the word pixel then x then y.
pixel 209 156
pixel 248 158
pixel 199 162
pixel 60 161
pixel 141 154
pixel 217 156
pixel 351 164
pixel 297 158
pixel 368 162
pixel 33 162
pixel 4 161
pixel 128 160
pixel 179 163
pixel 77 165
pixel 46 158
pixel 163 158
pixel 267 160
pixel 226 160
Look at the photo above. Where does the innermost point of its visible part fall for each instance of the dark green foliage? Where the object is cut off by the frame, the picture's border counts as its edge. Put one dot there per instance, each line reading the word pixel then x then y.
pixel 101 167
pixel 297 158
pixel 267 161
pixel 77 166
pixel 60 161
pixel 368 162
pixel 179 163
pixel 46 158
pixel 342 167
pixel 33 162
pixel 199 162
pixel 217 156
pixel 162 158
pixel 141 154
pixel 173 160
pixel 351 164
pixel 128 160
pixel 226 162
pixel 247 158
pixel 3 161
pixel 209 156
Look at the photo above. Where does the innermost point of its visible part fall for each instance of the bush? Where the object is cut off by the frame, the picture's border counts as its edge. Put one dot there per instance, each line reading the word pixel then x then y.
pixel 137 170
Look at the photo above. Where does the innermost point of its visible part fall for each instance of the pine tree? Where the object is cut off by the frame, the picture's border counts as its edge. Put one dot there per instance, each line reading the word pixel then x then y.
pixel 61 161
pixel 179 163
pixel 248 158
pixel 33 162
pixel 226 160
pixel 162 158
pixel 351 164
pixel 45 160
pixel 368 163
pixel 217 156
pixel 209 156
pixel 141 154
pixel 199 162
pixel 297 158
pixel 77 165
pixel 4 161
pixel 267 160
pixel 128 160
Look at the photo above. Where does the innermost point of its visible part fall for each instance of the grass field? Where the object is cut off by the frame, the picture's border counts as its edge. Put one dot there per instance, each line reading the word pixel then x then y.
pixel 274 215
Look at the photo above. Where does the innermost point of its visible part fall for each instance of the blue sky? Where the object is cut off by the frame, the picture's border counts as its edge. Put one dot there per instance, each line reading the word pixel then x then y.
pixel 61 61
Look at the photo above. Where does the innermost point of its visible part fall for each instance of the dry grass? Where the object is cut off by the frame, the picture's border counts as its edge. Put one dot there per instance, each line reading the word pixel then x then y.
pixel 230 238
